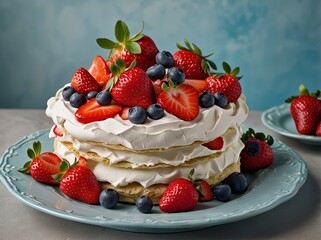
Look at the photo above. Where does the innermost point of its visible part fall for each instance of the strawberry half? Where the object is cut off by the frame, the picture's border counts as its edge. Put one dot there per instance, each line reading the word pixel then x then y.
pixel 92 111
pixel 181 101
pixel 306 110
pixel 83 82
pixel 42 165
pixel 139 47
pixel 199 85
pixel 124 113
pixel 205 191
pixel 58 131
pixel 216 144
pixel 99 69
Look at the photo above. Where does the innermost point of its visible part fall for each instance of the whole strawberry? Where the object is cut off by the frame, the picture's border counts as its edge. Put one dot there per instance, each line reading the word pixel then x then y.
pixel 192 61
pixel 226 83
pixel 257 153
pixel 78 182
pixel 130 86
pixel 305 110
pixel 42 165
pixel 139 47
pixel 83 82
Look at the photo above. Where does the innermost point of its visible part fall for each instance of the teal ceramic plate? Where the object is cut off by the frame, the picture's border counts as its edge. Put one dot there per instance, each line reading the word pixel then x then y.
pixel 279 119
pixel 267 189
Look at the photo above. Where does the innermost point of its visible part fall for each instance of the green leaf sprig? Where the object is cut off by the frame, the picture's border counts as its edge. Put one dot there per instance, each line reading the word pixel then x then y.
pixel 304 92
pixel 32 154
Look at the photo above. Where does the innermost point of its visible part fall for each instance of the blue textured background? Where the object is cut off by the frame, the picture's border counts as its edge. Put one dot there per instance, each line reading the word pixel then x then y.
pixel 277 44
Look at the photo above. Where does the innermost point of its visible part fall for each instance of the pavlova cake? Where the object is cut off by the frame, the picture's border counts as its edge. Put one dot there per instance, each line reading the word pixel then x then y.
pixel 143 117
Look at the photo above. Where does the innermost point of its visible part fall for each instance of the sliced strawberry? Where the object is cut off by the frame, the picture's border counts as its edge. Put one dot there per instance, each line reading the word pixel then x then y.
pixel 216 144
pixel 157 84
pixel 99 69
pixel 199 85
pixel 58 131
pixel 181 101
pixel 83 82
pixel 92 111
pixel 205 191
pixel 82 161
pixel 124 113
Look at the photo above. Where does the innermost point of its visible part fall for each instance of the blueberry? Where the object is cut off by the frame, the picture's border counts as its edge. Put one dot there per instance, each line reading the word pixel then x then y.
pixel 137 115
pixel 156 71
pixel 108 198
pixel 176 74
pixel 222 192
pixel 165 58
pixel 155 111
pixel 206 100
pixel 92 94
pixel 67 92
pixel 252 148
pixel 237 181
pixel 77 99
pixel 220 99
pixel 104 98
pixel 144 204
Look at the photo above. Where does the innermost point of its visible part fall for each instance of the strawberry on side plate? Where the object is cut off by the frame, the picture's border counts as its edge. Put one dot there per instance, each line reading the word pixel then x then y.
pixel 139 47
pixel 305 110
pixel 226 83
pixel 42 165
pixel 99 69
pixel 257 153
pixel 192 61
pixel 78 182
pixel 204 190
pixel 83 82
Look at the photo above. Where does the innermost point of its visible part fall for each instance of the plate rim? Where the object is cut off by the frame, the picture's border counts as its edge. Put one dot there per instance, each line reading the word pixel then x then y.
pixel 149 226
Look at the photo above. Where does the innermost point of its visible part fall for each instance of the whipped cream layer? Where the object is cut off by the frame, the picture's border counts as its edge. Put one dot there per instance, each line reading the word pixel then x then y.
pixel 147 177
pixel 172 157
pixel 153 134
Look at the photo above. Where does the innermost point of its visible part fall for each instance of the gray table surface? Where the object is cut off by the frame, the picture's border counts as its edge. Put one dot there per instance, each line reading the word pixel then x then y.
pixel 298 218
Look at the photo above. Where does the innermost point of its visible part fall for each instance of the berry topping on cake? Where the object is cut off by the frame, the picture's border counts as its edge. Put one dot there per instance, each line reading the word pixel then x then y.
pixel 92 111
pixel 83 82
pixel 220 99
pixel 58 131
pixel 99 69
pixel 306 110
pixel 199 85
pixel 176 75
pixel 137 115
pixel 216 144
pixel 104 98
pixel 157 71
pixel 165 58
pixel 42 165
pixel 226 83
pixel 155 111
pixel 181 101
pixel 130 86
pixel 192 61
pixel 139 47
pixel 77 100
pixel 91 95
pixel 257 153
pixel 124 113
pixel 67 92
pixel 206 100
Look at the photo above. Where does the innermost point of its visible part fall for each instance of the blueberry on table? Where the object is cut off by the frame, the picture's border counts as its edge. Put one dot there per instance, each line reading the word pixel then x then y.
pixel 144 204
pixel 108 198
pixel 222 192
pixel 155 111
pixel 206 100
pixel 220 99
pixel 104 98
pixel 157 71
pixel 237 181
pixel 77 100
pixel 92 94
pixel 137 115
pixel 165 58
pixel 176 75
pixel 67 92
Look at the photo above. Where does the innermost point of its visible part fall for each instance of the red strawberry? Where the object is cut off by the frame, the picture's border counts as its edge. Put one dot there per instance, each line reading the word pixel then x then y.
pixel 92 111
pixel 157 84
pixel 78 182
pixel 58 131
pixel 83 82
pixel 124 113
pixel 181 101
pixel 42 166
pixel 199 85
pixel 205 191
pixel 131 86
pixel 191 60
pixel 99 69
pixel 306 110
pixel 180 195
pixel 139 47
pixel 318 129
pixel 257 153
pixel 215 144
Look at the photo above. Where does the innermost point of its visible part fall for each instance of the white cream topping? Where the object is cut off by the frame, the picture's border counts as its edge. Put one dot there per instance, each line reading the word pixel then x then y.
pixel 163 133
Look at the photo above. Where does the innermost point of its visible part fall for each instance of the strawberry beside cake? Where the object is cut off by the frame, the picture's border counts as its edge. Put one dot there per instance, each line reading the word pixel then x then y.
pixel 143 118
